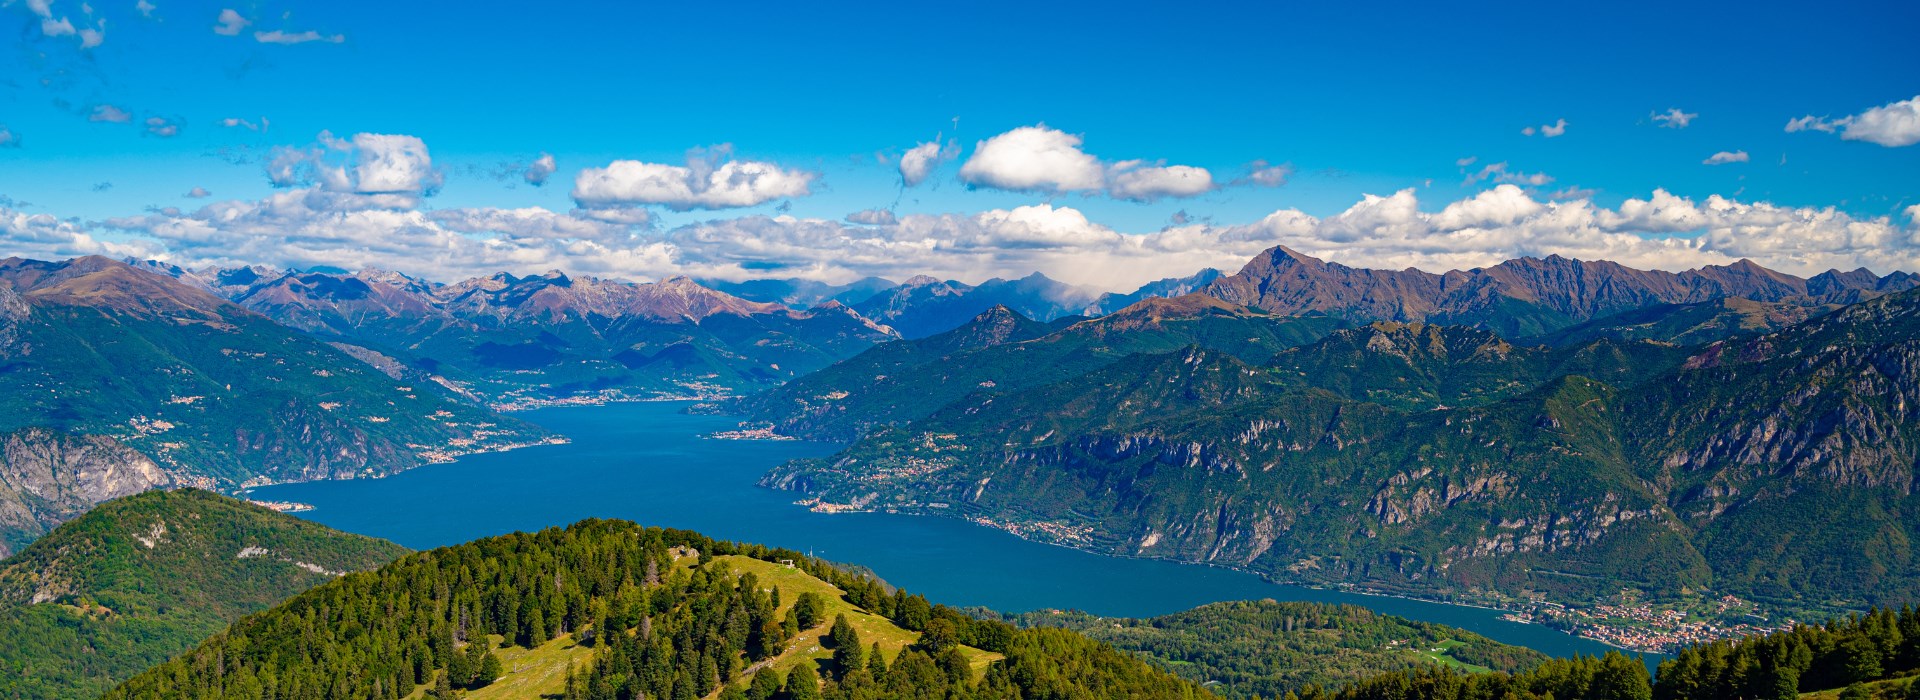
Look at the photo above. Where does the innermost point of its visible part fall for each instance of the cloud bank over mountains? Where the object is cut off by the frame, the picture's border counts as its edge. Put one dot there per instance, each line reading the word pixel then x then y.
pixel 353 203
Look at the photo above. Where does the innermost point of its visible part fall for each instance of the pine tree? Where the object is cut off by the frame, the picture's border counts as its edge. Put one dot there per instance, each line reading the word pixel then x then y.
pixel 802 683
pixel 489 670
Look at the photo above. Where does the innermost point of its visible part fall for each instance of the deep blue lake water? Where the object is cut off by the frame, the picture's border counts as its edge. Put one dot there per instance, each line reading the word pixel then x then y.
pixel 648 463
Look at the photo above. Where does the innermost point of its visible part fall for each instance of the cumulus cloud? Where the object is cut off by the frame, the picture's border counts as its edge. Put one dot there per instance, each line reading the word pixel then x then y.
pixel 230 23
pixel 1892 125
pixel 109 113
pixel 162 127
pixel 1045 160
pixel 919 162
pixel 393 167
pixel 1547 130
pixel 145 8
pixel 1725 157
pixel 1034 159
pixel 711 179
pixel 8 139
pixel 197 193
pixel 289 38
pixel 1674 118
pixel 537 172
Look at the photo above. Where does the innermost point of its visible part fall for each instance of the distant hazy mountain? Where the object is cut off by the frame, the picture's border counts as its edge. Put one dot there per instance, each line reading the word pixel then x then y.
pixel 1170 287
pixel 140 579
pixel 1525 296
pixel 1435 459
pixel 802 293
pixel 552 335
pixel 923 306
pixel 114 379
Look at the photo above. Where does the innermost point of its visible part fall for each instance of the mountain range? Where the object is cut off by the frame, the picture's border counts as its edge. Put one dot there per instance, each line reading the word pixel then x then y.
pixel 1524 296
pixel 1431 459
pixel 114 380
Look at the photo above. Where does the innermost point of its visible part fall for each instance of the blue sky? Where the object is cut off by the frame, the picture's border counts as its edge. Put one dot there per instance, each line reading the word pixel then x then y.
pixel 1352 100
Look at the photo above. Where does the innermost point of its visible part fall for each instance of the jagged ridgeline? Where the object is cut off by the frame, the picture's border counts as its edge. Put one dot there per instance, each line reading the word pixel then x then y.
pixel 142 578
pixel 609 609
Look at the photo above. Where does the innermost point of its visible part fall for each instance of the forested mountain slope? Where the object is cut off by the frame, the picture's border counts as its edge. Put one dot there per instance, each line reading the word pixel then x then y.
pixel 1266 649
pixel 139 579
pixel 666 614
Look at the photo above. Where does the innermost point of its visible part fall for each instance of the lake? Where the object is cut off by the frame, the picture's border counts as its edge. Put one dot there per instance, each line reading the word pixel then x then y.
pixel 648 463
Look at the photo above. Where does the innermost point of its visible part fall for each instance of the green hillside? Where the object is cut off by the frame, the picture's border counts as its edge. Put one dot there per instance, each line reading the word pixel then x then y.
pixel 665 613
pixel 1266 649
pixel 139 579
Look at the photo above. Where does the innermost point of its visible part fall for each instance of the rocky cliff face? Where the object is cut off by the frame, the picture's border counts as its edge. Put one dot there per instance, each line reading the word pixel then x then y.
pixel 49 477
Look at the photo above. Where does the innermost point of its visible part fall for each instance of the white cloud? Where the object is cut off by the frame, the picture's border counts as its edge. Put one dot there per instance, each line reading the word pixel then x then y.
pixel 146 8
pixel 1813 123
pixel 395 166
pixel 919 162
pixel 1725 157
pixel 162 127
pixel 109 113
pixel 1892 125
pixel 1034 159
pixel 1674 118
pixel 709 180
pixel 286 39
pixel 8 139
pixel 1134 180
pixel 45 237
pixel 1547 130
pixel 197 193
pixel 1503 205
pixel 537 172
pixel 1044 160
pixel 230 23
pixel 1469 160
